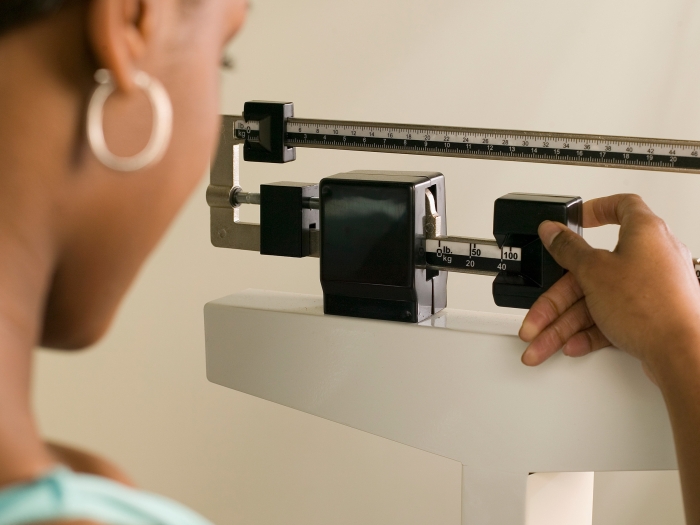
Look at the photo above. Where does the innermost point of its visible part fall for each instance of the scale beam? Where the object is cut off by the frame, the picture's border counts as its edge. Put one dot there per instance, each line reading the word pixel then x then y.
pixel 496 144
pixel 452 254
pixel 466 255
pixel 381 236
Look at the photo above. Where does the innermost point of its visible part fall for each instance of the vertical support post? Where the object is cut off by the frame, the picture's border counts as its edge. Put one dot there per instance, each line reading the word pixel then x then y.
pixel 559 498
pixel 496 497
pixel 226 229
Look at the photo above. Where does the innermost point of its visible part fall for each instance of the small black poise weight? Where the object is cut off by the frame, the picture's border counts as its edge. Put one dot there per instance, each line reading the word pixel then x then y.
pixel 516 218
pixel 272 118
pixel 372 239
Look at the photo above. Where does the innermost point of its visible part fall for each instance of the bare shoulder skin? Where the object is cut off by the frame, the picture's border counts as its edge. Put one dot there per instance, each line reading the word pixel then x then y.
pixel 644 298
pixel 73 233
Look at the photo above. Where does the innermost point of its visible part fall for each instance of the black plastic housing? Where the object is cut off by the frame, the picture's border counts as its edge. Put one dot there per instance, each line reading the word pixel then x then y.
pixel 372 241
pixel 284 222
pixel 272 117
pixel 516 217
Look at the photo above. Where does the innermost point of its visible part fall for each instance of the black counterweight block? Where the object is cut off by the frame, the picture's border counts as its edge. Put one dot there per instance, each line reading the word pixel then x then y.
pixel 516 218
pixel 285 222
pixel 371 242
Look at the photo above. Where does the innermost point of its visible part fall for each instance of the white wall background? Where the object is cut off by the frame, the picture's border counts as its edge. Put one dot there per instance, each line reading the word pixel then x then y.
pixel 627 67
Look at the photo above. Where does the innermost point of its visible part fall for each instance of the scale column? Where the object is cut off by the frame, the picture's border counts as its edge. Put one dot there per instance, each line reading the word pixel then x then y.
pixel 496 497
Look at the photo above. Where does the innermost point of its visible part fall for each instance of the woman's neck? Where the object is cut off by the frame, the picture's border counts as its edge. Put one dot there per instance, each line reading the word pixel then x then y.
pixel 26 268
pixel 33 158
pixel 23 454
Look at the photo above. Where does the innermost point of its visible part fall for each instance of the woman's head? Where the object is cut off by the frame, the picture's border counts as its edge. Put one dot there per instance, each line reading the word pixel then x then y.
pixel 14 13
pixel 84 228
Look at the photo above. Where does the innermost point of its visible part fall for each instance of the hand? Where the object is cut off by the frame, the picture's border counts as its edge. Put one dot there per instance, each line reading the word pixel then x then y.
pixel 642 297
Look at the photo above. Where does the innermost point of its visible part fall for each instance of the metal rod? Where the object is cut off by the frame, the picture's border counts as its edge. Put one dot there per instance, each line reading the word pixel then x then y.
pixel 239 197
pixel 468 255
pixel 311 203
pixel 243 197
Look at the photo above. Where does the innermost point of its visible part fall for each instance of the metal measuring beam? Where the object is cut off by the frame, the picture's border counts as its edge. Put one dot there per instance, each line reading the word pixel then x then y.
pixel 497 144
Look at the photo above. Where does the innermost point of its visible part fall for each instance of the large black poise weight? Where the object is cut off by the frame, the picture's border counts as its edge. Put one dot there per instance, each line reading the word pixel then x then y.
pixel 372 245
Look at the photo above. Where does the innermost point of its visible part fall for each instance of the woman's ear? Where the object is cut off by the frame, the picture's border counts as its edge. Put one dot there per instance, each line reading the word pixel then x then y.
pixel 120 32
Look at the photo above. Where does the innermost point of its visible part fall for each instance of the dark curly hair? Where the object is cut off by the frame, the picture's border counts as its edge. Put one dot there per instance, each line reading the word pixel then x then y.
pixel 16 12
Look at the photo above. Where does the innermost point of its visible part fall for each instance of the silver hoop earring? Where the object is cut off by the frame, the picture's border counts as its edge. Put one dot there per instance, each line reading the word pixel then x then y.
pixel 162 122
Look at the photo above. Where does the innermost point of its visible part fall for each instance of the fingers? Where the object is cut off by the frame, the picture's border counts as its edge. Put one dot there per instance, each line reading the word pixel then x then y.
pixel 615 209
pixel 585 342
pixel 574 332
pixel 568 248
pixel 550 305
pixel 556 335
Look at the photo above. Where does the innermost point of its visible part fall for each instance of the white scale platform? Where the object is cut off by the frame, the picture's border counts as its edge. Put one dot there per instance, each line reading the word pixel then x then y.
pixel 454 386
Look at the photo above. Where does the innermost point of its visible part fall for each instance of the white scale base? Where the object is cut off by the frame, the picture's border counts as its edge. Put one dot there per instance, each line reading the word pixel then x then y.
pixel 454 386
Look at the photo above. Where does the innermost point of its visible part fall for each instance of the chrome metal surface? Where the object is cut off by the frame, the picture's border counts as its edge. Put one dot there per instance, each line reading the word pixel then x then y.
pixel 244 197
pixel 225 197
pixel 469 255
pixel 219 196
pixel 466 240
pixel 312 203
pixel 226 230
pixel 432 222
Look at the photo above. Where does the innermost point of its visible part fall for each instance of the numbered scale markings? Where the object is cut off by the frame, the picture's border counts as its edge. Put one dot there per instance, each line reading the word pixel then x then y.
pixel 557 148
pixel 471 256
pixel 460 254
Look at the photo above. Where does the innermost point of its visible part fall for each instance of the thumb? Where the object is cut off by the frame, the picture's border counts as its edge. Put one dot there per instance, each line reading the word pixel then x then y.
pixel 568 248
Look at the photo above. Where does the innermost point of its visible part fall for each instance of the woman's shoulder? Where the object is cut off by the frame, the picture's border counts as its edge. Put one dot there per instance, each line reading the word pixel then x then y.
pixel 64 497
pixel 68 522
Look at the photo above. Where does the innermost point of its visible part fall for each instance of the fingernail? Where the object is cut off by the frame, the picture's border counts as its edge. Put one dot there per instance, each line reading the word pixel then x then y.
pixel 549 230
pixel 528 331
pixel 529 358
